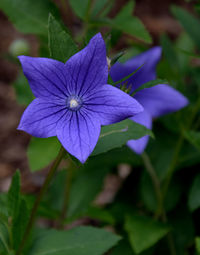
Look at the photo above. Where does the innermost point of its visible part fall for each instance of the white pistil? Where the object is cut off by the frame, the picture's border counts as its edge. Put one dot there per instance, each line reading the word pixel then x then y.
pixel 73 103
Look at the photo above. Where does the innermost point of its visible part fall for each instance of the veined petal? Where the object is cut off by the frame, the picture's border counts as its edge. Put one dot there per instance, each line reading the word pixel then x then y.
pixel 40 118
pixel 146 61
pixel 79 134
pixel 45 76
pixel 140 144
pixel 161 99
pixel 88 69
pixel 111 105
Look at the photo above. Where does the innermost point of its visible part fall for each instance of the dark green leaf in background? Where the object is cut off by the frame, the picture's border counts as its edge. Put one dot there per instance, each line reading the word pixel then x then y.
pixel 190 23
pixel 85 188
pixel 118 134
pixel 125 22
pixel 29 16
pixel 194 195
pixel 14 195
pixel 193 137
pixel 169 52
pixel 22 90
pixel 19 224
pixel 61 45
pixel 42 151
pixel 144 232
pixel 197 242
pixel 79 7
pixel 77 241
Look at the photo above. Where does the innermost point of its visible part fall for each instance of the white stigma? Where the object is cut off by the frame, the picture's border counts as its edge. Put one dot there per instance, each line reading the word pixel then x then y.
pixel 73 103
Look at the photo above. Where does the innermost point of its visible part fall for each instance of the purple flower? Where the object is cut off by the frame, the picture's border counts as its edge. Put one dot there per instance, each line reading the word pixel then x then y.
pixel 157 101
pixel 73 99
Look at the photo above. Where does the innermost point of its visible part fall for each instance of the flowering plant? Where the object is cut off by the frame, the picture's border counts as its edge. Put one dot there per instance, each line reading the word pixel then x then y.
pixel 112 181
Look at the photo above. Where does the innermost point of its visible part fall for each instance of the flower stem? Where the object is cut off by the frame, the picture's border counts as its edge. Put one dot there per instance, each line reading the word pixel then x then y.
pixel 68 182
pixel 153 175
pixel 156 183
pixel 39 198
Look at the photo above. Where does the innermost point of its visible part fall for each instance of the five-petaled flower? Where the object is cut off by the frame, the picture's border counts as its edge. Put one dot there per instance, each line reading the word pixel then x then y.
pixel 157 101
pixel 73 99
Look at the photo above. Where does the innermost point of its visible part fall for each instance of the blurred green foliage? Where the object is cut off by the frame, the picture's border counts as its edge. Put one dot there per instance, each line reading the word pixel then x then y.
pixel 147 224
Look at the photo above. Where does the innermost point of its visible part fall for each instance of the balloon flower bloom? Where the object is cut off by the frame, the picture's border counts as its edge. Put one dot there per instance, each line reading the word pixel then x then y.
pixel 157 101
pixel 73 99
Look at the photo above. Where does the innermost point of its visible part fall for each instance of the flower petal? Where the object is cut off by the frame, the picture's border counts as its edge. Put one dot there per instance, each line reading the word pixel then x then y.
pixel 146 61
pixel 140 144
pixel 88 68
pixel 40 118
pixel 78 133
pixel 161 99
pixel 111 105
pixel 45 76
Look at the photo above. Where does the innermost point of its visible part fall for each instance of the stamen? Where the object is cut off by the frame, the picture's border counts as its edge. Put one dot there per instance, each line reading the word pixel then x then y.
pixel 73 103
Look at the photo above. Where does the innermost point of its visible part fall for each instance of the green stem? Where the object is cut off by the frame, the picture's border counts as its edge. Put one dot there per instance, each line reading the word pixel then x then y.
pixel 173 164
pixel 156 183
pixel 68 182
pixel 39 198
pixel 153 175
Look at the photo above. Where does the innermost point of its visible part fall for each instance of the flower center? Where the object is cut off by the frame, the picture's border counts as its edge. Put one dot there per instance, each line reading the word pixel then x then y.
pixel 73 103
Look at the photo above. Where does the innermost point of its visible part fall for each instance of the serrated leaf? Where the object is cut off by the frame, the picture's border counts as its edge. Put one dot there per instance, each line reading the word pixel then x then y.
pixel 14 195
pixel 190 23
pixel 144 232
pixel 77 241
pixel 194 195
pixel 61 45
pixel 41 151
pixel 125 22
pixel 30 17
pixel 118 134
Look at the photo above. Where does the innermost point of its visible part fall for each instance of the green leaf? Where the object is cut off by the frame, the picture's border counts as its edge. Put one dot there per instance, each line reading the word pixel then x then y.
pixel 183 230
pixel 190 23
pixel 193 137
pixel 101 7
pixel 90 181
pixel 151 84
pixel 125 22
pixel 61 45
pixel 19 224
pixel 169 52
pixel 22 89
pixel 4 239
pixel 197 242
pixel 80 7
pixel 194 195
pixel 29 16
pixel 77 241
pixel 118 134
pixel 14 195
pixel 41 151
pixel 144 232
pixel 122 248
pixel 149 198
